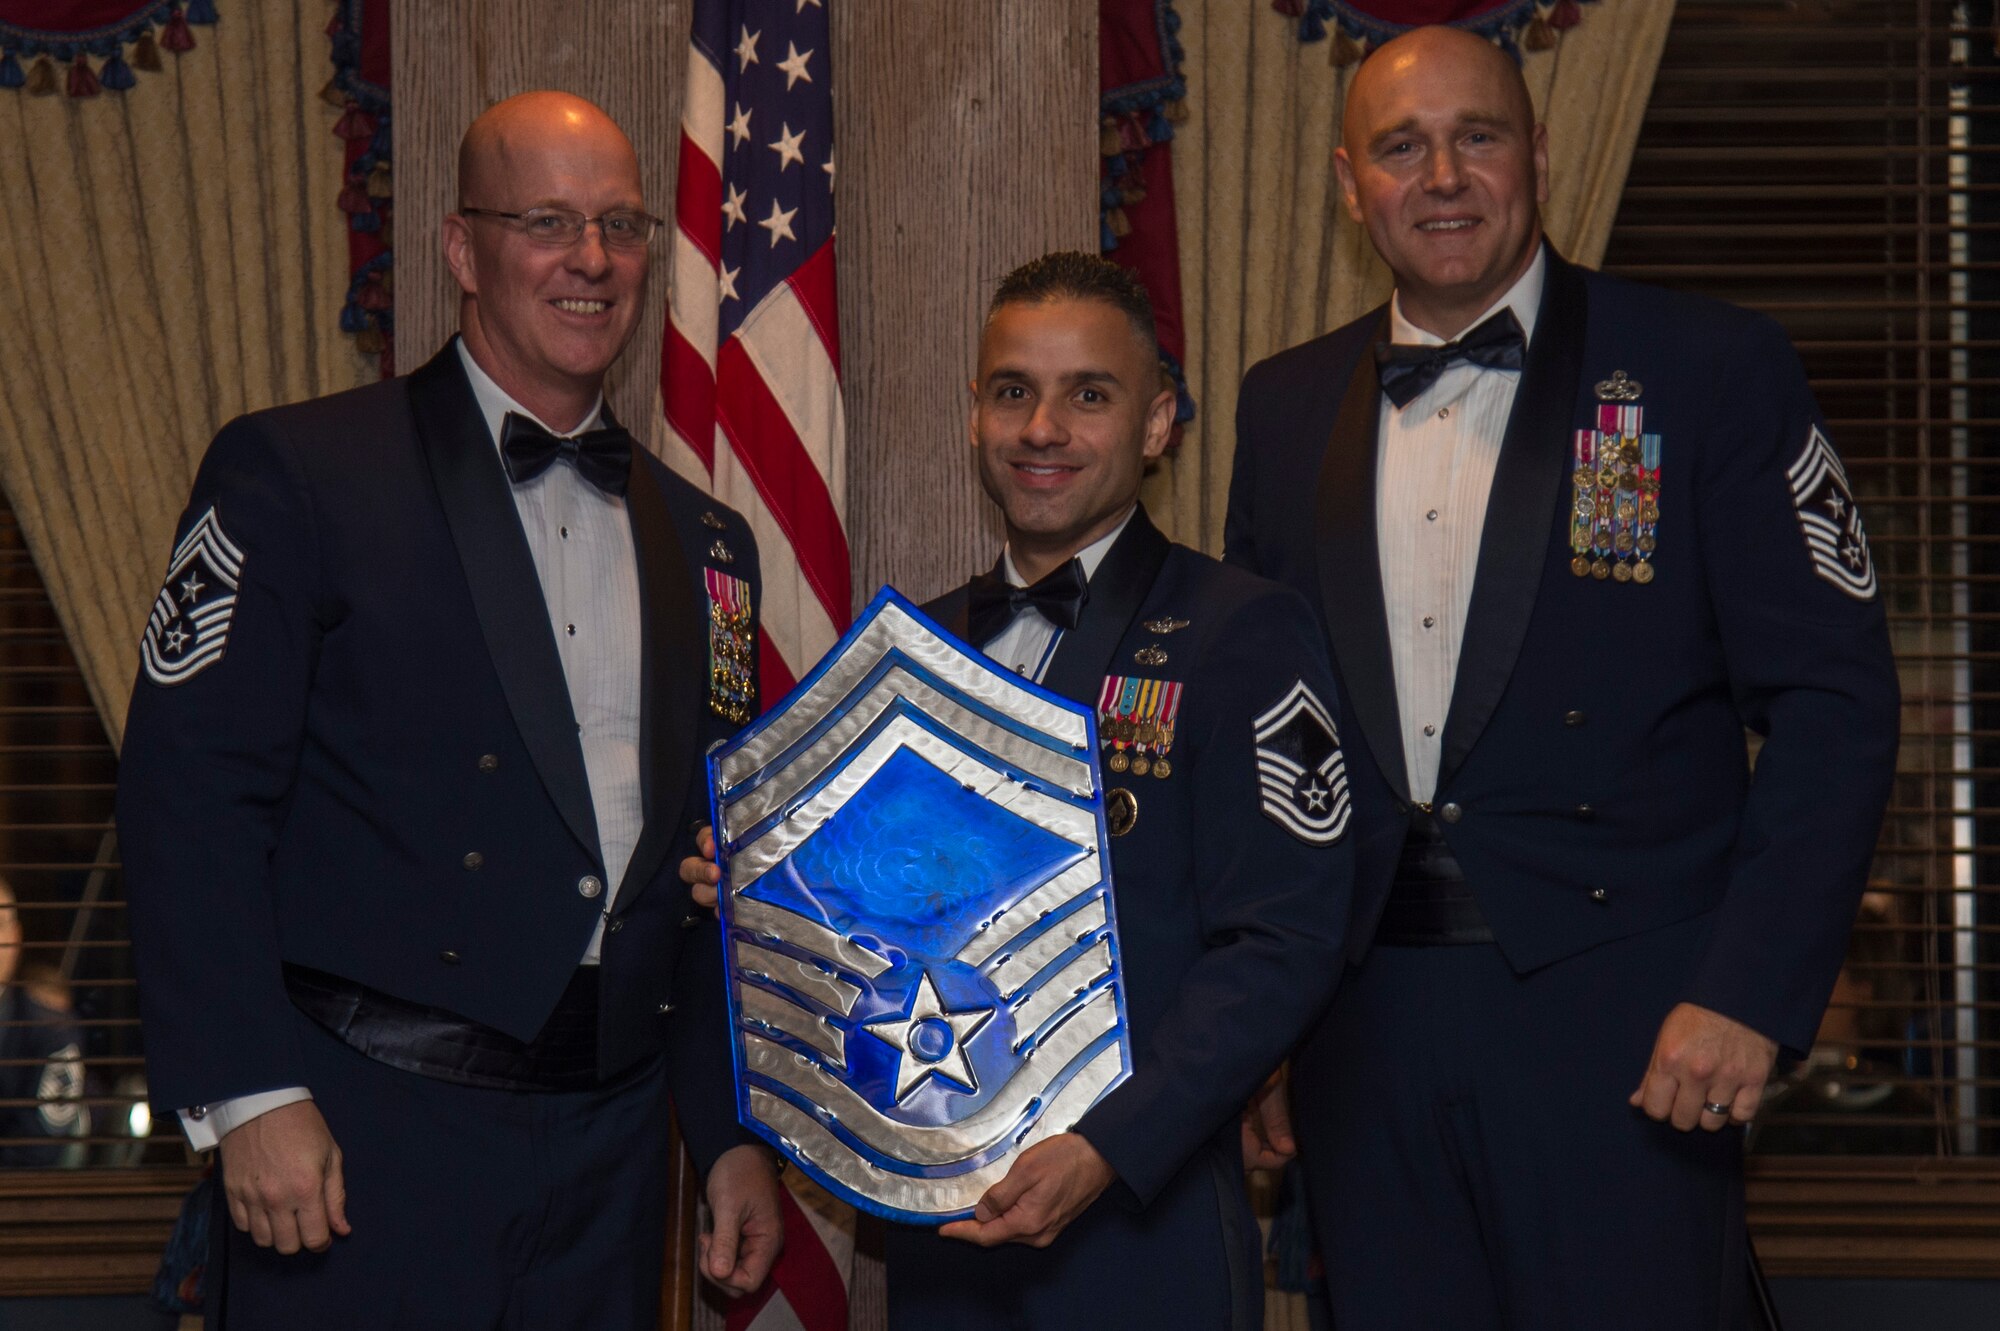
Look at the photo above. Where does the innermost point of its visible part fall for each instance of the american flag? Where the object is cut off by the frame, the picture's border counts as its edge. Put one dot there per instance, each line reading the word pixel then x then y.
pixel 750 382
pixel 750 373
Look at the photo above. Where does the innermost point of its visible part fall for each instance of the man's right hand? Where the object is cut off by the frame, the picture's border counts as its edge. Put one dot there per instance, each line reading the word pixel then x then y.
pixel 1267 1126
pixel 699 871
pixel 281 1174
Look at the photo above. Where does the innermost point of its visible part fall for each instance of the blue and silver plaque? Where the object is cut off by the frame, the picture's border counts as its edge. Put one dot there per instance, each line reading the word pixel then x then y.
pixel 924 974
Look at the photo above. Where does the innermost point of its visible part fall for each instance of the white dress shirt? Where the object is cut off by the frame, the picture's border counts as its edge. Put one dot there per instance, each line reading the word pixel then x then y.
pixel 1027 645
pixel 581 540
pixel 1435 460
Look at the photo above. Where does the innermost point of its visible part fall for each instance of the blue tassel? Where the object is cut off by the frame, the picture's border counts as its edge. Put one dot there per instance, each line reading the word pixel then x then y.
pixel 1312 28
pixel 1159 129
pixel 366 223
pixel 1110 197
pixel 200 11
pixel 11 75
pixel 1291 1238
pixel 353 318
pixel 1106 241
pixel 116 74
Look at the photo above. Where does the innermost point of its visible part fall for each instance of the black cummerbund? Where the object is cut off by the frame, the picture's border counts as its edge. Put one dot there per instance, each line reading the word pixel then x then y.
pixel 436 1043
pixel 1429 903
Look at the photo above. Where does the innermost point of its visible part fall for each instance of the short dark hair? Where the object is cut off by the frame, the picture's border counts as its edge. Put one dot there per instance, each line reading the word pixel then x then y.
pixel 1075 275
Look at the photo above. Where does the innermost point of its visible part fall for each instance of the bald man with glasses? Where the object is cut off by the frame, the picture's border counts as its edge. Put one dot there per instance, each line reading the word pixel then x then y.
pixel 411 758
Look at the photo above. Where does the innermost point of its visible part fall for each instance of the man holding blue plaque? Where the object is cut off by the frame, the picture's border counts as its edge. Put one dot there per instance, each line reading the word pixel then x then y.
pixel 1226 804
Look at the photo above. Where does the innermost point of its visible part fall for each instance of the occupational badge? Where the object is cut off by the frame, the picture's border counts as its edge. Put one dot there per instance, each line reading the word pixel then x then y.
pixel 924 971
pixel 1301 776
pixel 732 646
pixel 189 626
pixel 1830 518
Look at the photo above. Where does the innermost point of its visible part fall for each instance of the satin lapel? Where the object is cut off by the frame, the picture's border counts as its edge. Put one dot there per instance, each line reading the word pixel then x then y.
pixel 1117 590
pixel 506 590
pixel 1350 567
pixel 1515 543
pixel 675 649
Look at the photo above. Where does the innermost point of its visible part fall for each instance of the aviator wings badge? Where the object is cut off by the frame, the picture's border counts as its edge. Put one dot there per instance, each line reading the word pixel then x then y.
pixel 924 974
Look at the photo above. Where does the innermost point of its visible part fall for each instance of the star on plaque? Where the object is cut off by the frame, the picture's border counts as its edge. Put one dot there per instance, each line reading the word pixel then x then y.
pixel 930 1040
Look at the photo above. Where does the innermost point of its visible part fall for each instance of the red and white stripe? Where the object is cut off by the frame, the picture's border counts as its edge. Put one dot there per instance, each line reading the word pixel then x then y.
pixel 760 415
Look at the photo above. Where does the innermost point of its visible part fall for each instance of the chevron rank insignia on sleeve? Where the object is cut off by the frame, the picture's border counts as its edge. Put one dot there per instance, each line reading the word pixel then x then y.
pixel 1301 776
pixel 1830 520
pixel 189 626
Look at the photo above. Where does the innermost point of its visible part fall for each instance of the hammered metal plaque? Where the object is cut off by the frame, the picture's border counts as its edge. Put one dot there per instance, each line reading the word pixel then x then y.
pixel 922 947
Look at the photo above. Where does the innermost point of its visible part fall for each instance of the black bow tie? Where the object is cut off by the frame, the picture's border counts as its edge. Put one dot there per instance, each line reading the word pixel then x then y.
pixel 994 603
pixel 1406 371
pixel 602 457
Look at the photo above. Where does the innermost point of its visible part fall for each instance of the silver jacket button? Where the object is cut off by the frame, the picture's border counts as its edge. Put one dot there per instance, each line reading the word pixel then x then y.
pixel 589 886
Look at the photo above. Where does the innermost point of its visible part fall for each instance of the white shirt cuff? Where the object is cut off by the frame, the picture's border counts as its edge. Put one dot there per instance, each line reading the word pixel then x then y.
pixel 207 1125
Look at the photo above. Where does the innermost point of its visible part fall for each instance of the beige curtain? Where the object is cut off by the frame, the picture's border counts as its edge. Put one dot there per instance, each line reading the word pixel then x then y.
pixel 1268 255
pixel 170 257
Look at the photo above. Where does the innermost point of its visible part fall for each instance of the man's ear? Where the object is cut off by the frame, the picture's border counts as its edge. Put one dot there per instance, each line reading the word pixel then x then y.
pixel 1160 417
pixel 1343 168
pixel 456 235
pixel 972 414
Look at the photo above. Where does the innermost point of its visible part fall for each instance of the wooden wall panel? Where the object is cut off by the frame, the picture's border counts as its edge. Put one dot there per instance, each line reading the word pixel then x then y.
pixel 968 143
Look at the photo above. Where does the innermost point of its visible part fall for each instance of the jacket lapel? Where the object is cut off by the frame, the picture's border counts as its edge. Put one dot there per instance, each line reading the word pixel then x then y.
pixel 1515 542
pixel 1117 590
pixel 1350 567
pixel 506 591
pixel 673 637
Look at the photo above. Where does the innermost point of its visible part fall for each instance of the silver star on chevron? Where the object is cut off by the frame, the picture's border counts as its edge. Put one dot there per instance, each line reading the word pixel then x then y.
pixel 929 1024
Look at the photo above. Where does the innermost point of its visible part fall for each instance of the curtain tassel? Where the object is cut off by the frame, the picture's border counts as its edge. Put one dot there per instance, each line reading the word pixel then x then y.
pixel 369 342
pixel 1132 196
pixel 11 73
pixel 201 11
pixel 117 75
pixel 333 96
pixel 380 184
pixel 373 297
pixel 1108 140
pixel 1121 225
pixel 354 199
pixel 41 78
pixel 1346 50
pixel 82 79
pixel 1538 35
pixel 175 35
pixel 1565 15
pixel 353 123
pixel 146 53
pixel 1177 111
pixel 1312 28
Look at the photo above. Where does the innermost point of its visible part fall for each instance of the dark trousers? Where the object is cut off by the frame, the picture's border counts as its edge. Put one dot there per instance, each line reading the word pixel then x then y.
pixel 1189 1262
pixel 471 1208
pixel 1472 1160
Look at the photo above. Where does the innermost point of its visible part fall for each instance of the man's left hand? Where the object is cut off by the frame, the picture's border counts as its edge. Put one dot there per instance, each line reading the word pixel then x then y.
pixel 1703 1058
pixel 1049 1186
pixel 749 1232
pixel 700 871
